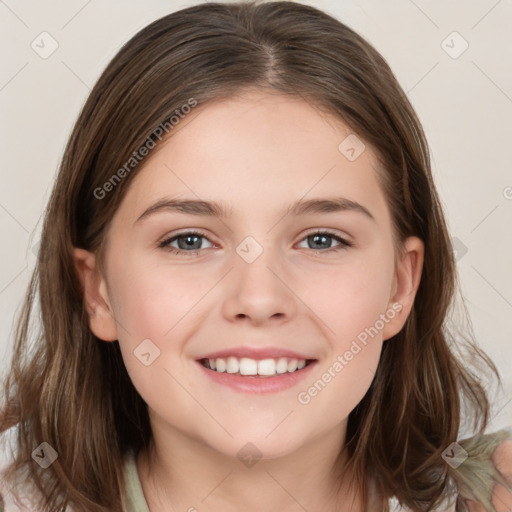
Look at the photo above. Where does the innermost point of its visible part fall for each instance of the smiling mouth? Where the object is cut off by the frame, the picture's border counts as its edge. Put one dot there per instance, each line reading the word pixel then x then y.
pixel 256 368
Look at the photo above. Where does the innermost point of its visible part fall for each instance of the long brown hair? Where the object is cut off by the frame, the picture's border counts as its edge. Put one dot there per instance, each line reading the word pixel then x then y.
pixel 70 389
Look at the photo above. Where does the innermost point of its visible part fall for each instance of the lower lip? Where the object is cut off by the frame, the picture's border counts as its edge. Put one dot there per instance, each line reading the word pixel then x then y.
pixel 255 384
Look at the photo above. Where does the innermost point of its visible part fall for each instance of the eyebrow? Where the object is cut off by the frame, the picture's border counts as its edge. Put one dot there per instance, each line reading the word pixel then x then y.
pixel 214 209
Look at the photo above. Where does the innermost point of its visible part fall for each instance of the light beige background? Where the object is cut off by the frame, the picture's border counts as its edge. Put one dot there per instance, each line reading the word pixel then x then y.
pixel 464 103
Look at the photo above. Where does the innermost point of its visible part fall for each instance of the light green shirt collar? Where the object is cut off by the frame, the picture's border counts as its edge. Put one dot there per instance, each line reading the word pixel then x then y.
pixel 135 500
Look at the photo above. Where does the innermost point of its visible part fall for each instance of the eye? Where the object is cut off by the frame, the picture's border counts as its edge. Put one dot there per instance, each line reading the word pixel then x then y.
pixel 321 238
pixel 186 240
pixel 192 240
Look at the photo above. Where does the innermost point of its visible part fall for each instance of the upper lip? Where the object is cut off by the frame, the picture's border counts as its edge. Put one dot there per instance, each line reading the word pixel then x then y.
pixel 256 353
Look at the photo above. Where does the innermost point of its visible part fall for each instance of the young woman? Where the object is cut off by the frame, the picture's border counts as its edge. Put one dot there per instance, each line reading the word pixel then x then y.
pixel 244 279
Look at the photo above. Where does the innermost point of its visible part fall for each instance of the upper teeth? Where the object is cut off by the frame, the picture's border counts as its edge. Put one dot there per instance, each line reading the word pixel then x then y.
pixel 247 366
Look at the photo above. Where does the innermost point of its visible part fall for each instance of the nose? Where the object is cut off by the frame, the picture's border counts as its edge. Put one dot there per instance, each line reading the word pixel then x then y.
pixel 259 292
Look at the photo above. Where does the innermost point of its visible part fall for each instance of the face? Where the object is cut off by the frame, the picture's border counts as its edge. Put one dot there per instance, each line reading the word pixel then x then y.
pixel 263 281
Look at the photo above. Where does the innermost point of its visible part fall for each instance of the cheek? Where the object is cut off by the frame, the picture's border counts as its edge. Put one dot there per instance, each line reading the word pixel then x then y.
pixel 350 310
pixel 153 299
pixel 162 304
pixel 349 298
pixel 155 304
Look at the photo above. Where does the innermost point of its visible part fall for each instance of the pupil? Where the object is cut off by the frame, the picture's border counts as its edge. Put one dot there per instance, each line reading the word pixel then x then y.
pixel 189 241
pixel 316 237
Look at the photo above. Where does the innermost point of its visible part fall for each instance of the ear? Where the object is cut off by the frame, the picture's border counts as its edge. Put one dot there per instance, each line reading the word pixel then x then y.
pixel 405 285
pixel 95 295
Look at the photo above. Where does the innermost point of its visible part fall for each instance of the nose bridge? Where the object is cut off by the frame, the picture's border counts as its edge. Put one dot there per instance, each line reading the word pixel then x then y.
pixel 259 288
pixel 259 265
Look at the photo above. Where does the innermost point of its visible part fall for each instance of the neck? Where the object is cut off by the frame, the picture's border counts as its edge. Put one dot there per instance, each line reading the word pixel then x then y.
pixel 180 473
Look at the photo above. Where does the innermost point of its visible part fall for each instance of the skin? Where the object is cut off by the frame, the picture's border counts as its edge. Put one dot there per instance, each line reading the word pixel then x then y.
pixel 501 497
pixel 256 152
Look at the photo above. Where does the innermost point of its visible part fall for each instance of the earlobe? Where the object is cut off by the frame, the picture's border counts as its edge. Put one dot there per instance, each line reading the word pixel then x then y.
pixel 95 295
pixel 407 280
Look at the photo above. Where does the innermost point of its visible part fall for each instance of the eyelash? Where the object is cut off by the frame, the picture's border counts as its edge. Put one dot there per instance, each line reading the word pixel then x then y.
pixel 344 244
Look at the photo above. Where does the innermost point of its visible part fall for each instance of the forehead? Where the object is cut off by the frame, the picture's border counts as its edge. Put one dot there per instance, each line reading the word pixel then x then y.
pixel 257 151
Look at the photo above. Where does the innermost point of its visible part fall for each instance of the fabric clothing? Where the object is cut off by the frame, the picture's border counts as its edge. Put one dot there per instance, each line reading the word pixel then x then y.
pixel 135 500
pixel 477 473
